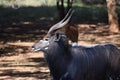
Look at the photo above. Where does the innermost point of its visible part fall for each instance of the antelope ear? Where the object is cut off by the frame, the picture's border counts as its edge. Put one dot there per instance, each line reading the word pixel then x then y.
pixel 57 37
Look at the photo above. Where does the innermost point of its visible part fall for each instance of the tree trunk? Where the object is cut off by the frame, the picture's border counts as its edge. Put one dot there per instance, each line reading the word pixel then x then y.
pixel 61 9
pixel 112 16
pixel 69 4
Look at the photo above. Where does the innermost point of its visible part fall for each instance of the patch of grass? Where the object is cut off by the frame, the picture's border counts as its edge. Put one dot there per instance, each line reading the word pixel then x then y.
pixel 27 3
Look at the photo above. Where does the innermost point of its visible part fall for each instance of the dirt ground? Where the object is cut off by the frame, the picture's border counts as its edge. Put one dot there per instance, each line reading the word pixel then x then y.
pixel 19 62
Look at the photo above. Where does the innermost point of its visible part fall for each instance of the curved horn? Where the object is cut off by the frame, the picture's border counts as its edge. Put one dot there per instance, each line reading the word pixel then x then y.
pixel 61 23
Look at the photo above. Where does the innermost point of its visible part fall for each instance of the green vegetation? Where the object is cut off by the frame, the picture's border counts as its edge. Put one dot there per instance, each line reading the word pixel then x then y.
pixel 34 3
pixel 39 9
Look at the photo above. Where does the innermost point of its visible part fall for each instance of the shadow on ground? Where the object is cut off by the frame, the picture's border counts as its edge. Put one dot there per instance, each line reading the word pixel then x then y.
pixel 25 23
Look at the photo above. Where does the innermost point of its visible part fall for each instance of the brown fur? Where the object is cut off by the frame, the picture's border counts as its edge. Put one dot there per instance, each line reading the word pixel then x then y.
pixel 71 30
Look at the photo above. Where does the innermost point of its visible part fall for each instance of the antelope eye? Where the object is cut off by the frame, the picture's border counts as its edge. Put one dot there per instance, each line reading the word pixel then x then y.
pixel 46 39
